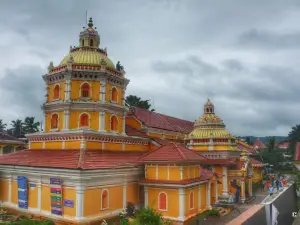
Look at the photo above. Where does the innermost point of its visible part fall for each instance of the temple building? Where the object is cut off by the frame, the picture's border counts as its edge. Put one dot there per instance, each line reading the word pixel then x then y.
pixel 95 155
pixel 10 144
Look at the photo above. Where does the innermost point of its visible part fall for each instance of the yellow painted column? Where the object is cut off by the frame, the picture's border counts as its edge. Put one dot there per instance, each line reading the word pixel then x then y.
pixel 250 187
pixel 243 196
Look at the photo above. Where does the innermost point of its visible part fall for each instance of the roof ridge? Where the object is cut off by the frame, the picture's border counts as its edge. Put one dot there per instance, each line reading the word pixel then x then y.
pixel 180 152
pixel 159 115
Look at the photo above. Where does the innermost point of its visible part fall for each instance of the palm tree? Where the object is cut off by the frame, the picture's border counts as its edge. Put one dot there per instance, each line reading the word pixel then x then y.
pixel 2 126
pixel 271 145
pixel 133 100
pixel 17 128
pixel 294 137
pixel 30 126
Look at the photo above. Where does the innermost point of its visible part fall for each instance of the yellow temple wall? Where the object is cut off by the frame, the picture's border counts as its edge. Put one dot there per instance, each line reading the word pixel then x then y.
pixel 72 144
pixel 134 147
pixel 203 196
pixel 75 89
pixel 53 145
pixel 46 199
pixel 108 93
pixel 172 200
pixel 14 192
pixel 60 121
pixel 36 145
pixel 132 192
pixel 107 122
pixel 133 122
pixel 4 189
pixel 174 173
pixel 93 119
pixel 257 174
pixel 32 196
pixel 92 200
pixel 69 194
pixel 188 210
pixel 200 148
pixel 61 91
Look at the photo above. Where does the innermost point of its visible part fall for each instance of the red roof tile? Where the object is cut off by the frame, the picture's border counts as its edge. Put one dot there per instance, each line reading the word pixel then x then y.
pixel 7 137
pixel 258 143
pixel 172 152
pixel 72 159
pixel 297 152
pixel 130 131
pixel 161 121
pixel 283 145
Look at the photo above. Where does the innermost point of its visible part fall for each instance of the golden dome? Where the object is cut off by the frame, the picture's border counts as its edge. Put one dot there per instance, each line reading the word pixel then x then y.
pixel 86 56
pixel 209 125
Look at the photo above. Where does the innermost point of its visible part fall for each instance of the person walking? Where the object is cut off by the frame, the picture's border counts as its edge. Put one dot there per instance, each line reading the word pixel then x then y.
pixel 277 184
pixel 263 184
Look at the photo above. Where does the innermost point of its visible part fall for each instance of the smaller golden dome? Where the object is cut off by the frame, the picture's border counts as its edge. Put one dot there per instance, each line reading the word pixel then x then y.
pixel 209 133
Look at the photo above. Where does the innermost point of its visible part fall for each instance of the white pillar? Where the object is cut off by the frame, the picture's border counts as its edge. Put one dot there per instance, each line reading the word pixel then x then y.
pixel 124 195
pixel 146 196
pixel 124 125
pixel 208 196
pixel 44 145
pixel 9 189
pixel 102 90
pixel 66 120
pixel 39 195
pixel 1 150
pixel 217 189
pixel 14 148
pixel 181 194
pixel 224 181
pixel 79 202
pixel 82 143
pixel 199 196
pixel 102 122
pixel 45 121
pixel 67 89
pixel 181 173
pixel 63 145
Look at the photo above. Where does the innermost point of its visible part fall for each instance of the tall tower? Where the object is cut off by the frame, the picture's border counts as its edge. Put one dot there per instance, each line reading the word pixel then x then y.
pixel 85 99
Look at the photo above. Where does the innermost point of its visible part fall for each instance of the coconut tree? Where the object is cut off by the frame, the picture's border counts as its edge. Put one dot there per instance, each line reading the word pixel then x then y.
pixel 271 145
pixel 133 100
pixel 2 125
pixel 30 126
pixel 17 128
pixel 294 137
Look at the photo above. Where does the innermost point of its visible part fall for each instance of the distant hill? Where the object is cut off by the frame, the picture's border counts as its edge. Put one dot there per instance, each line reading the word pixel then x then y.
pixel 252 139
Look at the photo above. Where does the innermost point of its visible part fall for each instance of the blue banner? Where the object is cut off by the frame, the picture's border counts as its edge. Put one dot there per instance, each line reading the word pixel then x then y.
pixel 22 192
pixel 69 203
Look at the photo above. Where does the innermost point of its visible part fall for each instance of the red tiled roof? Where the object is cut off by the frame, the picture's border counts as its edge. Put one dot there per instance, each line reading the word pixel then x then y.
pixel 172 152
pixel 259 144
pixel 7 137
pixel 130 131
pixel 161 121
pixel 297 152
pixel 283 145
pixel 72 159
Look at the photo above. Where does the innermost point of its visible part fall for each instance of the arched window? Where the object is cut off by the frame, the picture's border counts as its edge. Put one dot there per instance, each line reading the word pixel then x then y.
pixel 113 123
pixel 114 94
pixel 162 201
pixel 56 92
pixel 84 120
pixel 85 90
pixel 91 42
pixel 191 200
pixel 104 199
pixel 82 43
pixel 54 121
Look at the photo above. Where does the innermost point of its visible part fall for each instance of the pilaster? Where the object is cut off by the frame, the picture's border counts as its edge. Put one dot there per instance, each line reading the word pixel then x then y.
pixel 181 173
pixel 124 195
pixel 243 196
pixel 102 122
pixel 199 197
pixel 250 187
pixel 124 125
pixel 68 89
pixel 9 188
pixel 102 90
pixel 39 203
pixel 208 195
pixel 44 145
pixel 181 194
pixel 146 196
pixel 224 181
pixel 66 120
pixel 79 202
pixel 14 148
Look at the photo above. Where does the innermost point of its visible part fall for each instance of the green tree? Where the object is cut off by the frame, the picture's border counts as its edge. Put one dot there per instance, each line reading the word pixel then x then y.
pixel 133 100
pixel 274 157
pixel 30 126
pixel 17 128
pixel 294 137
pixel 271 145
pixel 2 125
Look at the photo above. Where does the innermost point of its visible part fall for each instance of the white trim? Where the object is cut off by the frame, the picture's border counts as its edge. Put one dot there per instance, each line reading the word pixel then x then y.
pixel 224 181
pixel 163 210
pixel 102 199
pixel 192 192
pixel 174 185
pixel 208 196
pixel 10 189
pixel 181 194
pixel 90 92
pixel 67 89
pixel 102 122
pixel 79 120
pixel 39 204
pixel 63 145
pixel 66 120
pixel 181 172
pixel 59 90
pixel 102 91
pixel 124 125
pixel 146 196
pixel 114 131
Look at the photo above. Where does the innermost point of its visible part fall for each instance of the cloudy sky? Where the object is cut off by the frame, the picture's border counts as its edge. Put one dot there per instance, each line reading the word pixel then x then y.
pixel 243 55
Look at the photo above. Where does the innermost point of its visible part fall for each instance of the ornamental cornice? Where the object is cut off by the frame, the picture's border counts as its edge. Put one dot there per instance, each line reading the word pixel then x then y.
pixel 79 135
pixel 162 132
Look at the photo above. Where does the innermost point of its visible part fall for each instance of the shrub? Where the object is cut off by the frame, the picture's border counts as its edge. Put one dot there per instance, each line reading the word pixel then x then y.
pixel 148 216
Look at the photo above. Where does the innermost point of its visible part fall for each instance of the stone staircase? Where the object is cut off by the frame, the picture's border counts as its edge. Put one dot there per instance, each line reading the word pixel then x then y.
pixel 222 211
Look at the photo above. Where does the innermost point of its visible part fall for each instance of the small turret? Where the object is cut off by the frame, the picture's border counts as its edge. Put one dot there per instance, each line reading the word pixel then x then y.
pixel 89 37
pixel 209 107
